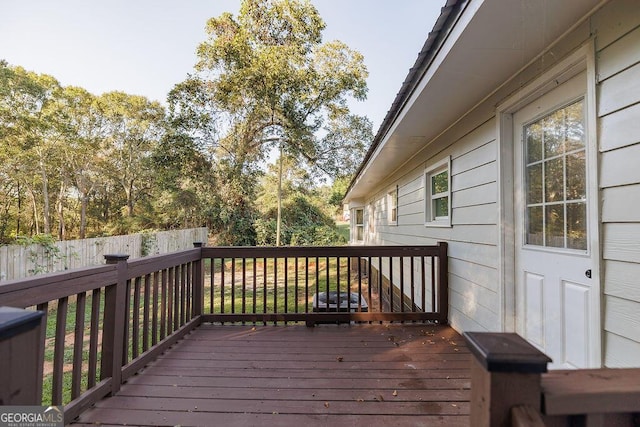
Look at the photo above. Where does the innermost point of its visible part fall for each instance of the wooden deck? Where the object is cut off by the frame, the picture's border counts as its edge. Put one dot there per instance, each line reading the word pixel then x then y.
pixel 356 375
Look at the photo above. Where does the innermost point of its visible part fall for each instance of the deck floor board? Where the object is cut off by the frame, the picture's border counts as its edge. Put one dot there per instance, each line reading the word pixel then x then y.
pixel 351 375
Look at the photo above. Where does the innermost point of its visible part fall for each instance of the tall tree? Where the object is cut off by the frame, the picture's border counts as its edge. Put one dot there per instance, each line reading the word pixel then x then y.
pixel 272 81
pixel 134 126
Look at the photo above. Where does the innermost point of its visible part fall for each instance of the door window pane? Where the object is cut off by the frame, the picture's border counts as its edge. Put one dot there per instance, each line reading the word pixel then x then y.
pixel 576 179
pixel 555 175
pixel 554 226
pixel 574 128
pixel 534 183
pixel 552 134
pixel 534 142
pixel 554 180
pixel 577 226
pixel 535 226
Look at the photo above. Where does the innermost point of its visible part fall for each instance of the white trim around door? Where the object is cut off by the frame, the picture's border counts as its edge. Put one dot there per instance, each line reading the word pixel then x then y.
pixel 546 95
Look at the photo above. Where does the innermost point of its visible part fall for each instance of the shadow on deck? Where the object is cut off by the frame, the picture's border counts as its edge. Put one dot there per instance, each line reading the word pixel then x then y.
pixel 391 374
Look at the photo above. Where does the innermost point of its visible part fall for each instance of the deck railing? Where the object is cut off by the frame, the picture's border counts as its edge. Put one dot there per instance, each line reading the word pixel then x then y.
pixel 327 284
pixel 102 324
pixel 510 385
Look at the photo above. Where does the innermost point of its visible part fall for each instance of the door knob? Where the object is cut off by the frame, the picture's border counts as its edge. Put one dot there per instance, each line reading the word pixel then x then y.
pixel 588 273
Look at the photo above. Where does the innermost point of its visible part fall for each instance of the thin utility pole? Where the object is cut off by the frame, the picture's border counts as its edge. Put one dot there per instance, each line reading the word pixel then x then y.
pixel 279 220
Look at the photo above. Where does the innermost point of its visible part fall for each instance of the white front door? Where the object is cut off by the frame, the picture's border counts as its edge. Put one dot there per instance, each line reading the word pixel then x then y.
pixel 557 295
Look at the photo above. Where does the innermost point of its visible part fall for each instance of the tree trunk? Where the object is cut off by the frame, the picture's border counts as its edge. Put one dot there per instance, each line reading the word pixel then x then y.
pixel 35 212
pixel 46 209
pixel 60 209
pixel 19 213
pixel 84 201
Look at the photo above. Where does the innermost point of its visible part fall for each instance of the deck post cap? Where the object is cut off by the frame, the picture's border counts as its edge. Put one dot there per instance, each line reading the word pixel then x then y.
pixel 114 258
pixel 14 321
pixel 506 352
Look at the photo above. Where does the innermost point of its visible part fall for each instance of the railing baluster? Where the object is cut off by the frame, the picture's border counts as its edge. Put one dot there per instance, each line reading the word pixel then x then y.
pixel 423 273
pixel 433 285
pixel 164 304
pixel 233 285
pixel 264 286
pixel 391 308
pixel 78 344
pixel 244 285
pixel 189 291
pixel 127 324
pixel 443 273
pixel 145 312
pixel 176 297
pixel 401 284
pixel 360 284
pixel 154 311
pixel 170 288
pixel 58 352
pixel 222 271
pixel 369 284
pixel 318 284
pixel 339 300
pixel 326 272
pixel 413 290
pixel 93 338
pixel 296 285
pixel 380 290
pixel 349 285
pixel 306 284
pixel 136 318
pixel 286 287
pixel 186 292
pixel 275 287
pixel 212 282
pixel 254 283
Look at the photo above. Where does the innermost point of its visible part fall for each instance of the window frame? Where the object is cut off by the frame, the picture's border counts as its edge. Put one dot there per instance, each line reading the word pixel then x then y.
pixel 358 226
pixel 392 206
pixel 430 220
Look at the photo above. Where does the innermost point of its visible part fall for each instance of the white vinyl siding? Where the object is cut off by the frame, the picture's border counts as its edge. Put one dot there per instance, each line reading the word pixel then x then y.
pixel 618 109
pixel 473 253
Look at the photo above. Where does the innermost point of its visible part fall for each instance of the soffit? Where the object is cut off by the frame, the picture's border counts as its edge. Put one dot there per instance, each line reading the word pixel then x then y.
pixel 491 41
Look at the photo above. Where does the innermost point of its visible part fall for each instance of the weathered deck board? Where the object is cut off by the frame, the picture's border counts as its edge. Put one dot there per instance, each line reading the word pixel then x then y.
pixel 369 375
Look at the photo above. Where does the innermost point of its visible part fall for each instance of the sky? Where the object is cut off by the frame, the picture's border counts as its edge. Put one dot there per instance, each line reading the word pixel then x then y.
pixel 145 47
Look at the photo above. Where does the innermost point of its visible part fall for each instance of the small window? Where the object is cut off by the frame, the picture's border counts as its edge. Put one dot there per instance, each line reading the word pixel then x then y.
pixel 359 225
pixel 438 194
pixel 392 206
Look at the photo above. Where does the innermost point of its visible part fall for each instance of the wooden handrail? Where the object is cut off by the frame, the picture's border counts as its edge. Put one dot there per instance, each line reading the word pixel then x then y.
pixel 509 386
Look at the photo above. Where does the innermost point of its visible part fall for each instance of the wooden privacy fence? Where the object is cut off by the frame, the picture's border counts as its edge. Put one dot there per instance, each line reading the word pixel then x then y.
pixel 103 324
pixel 17 261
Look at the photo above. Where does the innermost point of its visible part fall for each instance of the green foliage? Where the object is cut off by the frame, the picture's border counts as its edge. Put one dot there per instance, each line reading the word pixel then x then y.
pixel 148 243
pixel 50 252
pixel 74 164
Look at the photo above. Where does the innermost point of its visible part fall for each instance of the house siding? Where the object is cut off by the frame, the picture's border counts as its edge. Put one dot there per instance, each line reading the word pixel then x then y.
pixel 617 30
pixel 476 298
pixel 473 277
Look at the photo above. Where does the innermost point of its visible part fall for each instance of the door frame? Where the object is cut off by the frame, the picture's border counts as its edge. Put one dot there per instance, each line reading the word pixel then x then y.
pixel 582 59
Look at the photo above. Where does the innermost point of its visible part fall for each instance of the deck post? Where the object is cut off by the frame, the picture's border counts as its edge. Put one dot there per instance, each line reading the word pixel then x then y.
pixel 443 283
pixel 22 355
pixel 197 305
pixel 114 323
pixel 505 372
